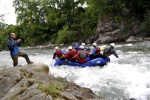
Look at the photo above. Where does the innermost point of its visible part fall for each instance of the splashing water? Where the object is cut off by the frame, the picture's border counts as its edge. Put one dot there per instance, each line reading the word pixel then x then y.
pixel 123 78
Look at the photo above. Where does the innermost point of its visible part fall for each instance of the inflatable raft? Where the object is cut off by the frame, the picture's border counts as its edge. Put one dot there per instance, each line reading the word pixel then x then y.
pixel 89 63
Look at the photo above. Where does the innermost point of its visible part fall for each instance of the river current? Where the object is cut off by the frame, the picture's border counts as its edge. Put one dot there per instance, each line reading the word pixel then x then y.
pixel 123 78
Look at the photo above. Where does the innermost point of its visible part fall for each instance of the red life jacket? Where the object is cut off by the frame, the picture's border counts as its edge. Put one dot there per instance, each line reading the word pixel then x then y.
pixel 82 56
pixel 59 53
pixel 98 50
pixel 70 54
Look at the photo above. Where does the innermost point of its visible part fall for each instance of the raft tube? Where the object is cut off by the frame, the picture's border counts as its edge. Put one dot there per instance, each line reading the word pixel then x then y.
pixel 89 63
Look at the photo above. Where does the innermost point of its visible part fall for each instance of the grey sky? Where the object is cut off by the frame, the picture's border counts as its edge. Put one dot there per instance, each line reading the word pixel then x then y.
pixel 7 8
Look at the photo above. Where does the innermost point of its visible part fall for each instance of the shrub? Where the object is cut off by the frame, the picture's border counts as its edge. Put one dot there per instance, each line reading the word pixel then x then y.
pixel 65 36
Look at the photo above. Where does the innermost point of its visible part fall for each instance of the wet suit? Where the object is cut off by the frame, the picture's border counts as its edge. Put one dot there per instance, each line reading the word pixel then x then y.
pixel 107 52
pixel 15 52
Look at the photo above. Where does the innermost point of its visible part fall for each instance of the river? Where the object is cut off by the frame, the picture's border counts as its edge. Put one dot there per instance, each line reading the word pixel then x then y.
pixel 123 78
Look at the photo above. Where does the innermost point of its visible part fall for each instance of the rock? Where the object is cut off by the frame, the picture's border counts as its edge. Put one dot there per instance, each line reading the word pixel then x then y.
pixel 38 67
pixel 32 90
pixel 61 45
pixel 108 30
pixel 32 82
pixel 8 78
pixel 106 39
pixel 15 90
pixel 80 93
pixel 146 39
pixel 90 39
pixel 134 39
pixel 132 99
pixel 68 96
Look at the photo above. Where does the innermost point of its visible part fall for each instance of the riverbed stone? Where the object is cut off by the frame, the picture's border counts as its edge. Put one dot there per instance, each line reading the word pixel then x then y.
pixel 108 30
pixel 68 96
pixel 33 82
pixel 134 39
pixel 39 67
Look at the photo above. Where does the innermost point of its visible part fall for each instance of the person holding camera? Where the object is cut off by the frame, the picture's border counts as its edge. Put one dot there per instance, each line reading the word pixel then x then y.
pixel 13 46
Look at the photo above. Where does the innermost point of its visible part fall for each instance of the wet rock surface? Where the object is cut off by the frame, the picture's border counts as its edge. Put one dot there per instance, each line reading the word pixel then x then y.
pixel 33 82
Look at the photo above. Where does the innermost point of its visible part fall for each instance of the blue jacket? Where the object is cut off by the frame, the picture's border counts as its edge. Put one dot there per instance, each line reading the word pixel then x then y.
pixel 13 47
pixel 94 51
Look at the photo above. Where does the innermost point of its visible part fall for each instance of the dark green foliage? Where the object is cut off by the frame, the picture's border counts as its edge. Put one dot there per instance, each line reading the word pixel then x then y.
pixel 45 20
pixel 40 21
pixel 65 36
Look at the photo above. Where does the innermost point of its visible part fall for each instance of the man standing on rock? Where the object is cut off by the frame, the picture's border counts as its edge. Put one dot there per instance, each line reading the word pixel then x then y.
pixel 13 46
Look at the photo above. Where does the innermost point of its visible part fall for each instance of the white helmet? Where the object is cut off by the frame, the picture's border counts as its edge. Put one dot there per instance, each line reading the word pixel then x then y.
pixel 56 48
pixel 70 47
pixel 81 47
pixel 83 44
pixel 94 44
pixel 112 44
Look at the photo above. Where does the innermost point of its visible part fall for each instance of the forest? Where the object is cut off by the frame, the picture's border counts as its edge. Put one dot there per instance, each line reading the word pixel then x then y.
pixel 68 21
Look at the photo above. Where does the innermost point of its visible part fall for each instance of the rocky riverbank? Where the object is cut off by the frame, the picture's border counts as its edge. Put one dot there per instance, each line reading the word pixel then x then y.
pixel 108 30
pixel 33 82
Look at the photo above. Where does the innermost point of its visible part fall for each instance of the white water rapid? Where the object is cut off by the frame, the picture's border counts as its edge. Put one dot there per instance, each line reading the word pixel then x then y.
pixel 123 78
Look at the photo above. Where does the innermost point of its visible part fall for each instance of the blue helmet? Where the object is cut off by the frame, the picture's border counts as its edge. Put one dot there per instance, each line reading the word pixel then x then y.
pixel 76 44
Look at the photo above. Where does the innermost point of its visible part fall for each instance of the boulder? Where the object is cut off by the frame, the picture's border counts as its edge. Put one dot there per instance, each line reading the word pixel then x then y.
pixel 8 78
pixel 68 96
pixel 61 45
pixel 134 39
pixel 17 89
pixel 132 99
pixel 38 67
pixel 33 82
pixel 108 30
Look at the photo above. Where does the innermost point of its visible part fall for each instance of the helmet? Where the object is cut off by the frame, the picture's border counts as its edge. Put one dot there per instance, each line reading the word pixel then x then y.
pixel 76 44
pixel 56 48
pixel 70 47
pixel 83 44
pixel 94 44
pixel 112 44
pixel 81 47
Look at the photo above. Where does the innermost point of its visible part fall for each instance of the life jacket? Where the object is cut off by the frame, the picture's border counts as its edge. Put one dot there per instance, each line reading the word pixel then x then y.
pixel 83 54
pixel 98 50
pixel 70 54
pixel 59 53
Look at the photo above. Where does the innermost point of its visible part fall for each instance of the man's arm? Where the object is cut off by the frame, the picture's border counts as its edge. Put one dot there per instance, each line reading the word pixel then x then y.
pixel 115 54
pixel 11 45
pixel 19 42
pixel 77 55
pixel 54 55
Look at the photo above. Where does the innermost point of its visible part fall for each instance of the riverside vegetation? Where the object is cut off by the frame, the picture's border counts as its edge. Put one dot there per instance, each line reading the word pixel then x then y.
pixel 67 21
